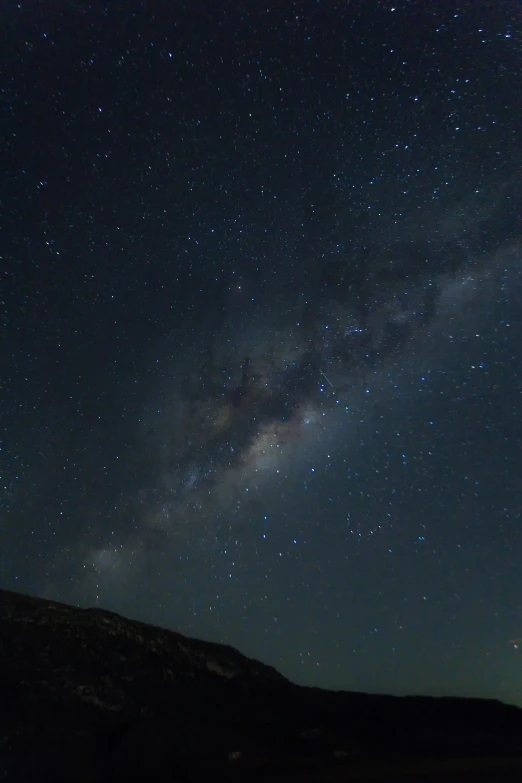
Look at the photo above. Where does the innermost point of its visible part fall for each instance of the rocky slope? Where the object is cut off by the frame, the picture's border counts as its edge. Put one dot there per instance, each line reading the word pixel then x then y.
pixel 88 695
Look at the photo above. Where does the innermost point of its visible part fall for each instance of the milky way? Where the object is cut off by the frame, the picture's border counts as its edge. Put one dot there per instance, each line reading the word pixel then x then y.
pixel 239 405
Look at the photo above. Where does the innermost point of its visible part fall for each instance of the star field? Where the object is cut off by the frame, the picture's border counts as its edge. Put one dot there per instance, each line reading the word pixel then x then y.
pixel 262 328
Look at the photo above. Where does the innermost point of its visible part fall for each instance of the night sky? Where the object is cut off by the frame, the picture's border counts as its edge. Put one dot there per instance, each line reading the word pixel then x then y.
pixel 262 329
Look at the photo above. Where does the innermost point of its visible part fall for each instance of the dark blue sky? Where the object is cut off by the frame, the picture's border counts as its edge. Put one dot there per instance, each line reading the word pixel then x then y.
pixel 262 330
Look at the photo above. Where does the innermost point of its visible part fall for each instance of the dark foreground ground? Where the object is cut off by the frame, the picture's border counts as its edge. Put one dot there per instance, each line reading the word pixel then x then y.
pixel 87 695
pixel 428 770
